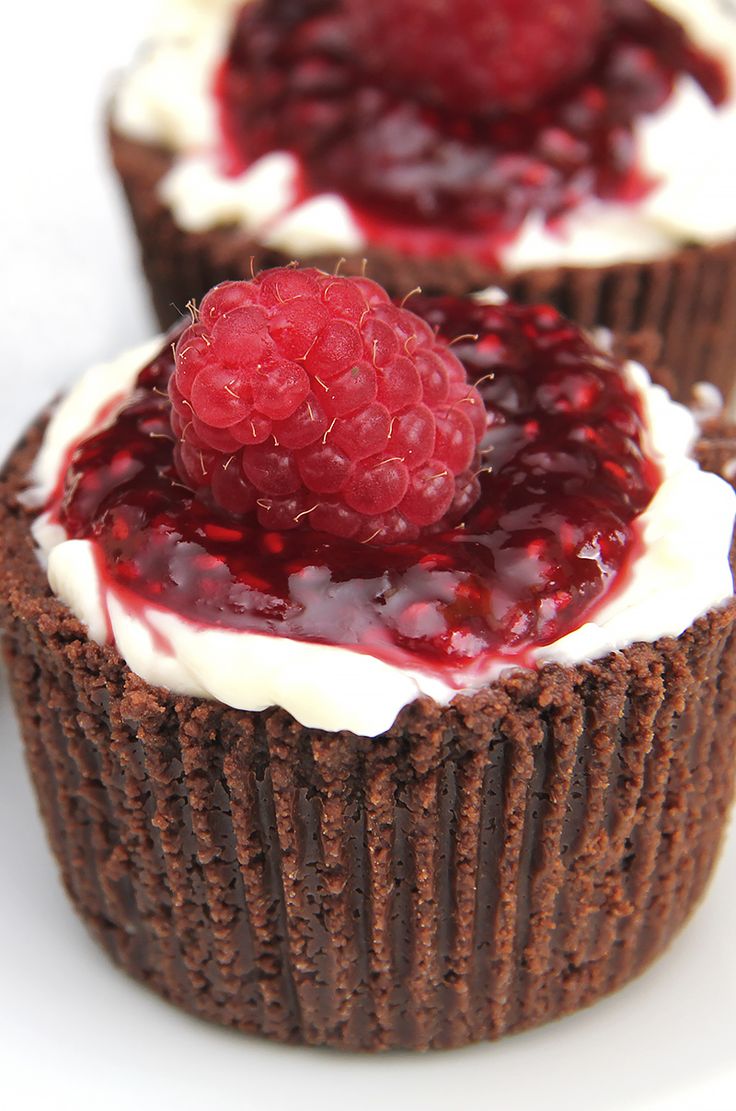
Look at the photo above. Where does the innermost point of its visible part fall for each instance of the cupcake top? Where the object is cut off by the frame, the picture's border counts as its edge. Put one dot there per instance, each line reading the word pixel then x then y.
pixel 311 497
pixel 306 126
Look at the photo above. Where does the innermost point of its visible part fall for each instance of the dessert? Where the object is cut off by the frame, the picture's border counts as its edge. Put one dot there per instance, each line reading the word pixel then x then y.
pixel 576 153
pixel 368 759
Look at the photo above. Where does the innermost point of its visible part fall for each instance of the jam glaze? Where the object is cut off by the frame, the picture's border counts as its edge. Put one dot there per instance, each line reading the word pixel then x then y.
pixel 550 539
pixel 433 181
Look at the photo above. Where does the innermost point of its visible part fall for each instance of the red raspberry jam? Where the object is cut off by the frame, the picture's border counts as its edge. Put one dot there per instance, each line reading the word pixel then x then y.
pixel 550 536
pixel 422 176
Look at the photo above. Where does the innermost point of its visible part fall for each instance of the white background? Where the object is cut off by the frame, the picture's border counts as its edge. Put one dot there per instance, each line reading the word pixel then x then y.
pixel 74 1032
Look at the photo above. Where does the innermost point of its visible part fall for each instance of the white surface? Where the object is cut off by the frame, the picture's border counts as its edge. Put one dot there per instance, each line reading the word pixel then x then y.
pixel 74 1032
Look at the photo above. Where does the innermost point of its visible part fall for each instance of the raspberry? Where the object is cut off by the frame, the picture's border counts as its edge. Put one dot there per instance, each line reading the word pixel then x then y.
pixel 317 403
pixel 467 55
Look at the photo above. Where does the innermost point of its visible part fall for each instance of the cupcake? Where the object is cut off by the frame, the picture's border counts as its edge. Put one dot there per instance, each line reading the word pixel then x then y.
pixel 375 667
pixel 575 153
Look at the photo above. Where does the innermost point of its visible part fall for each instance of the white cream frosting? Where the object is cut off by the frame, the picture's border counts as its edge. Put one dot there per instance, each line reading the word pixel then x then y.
pixel 167 95
pixel 682 572
pixel 689 146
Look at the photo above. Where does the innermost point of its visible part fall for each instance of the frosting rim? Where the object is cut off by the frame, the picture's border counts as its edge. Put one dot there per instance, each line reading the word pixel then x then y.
pixel 682 572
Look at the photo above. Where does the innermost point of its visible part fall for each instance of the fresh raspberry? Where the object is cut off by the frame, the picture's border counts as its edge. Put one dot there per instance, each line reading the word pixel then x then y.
pixel 317 402
pixel 470 55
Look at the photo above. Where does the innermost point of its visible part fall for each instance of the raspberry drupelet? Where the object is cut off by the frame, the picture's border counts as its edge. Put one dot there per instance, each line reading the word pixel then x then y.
pixel 316 401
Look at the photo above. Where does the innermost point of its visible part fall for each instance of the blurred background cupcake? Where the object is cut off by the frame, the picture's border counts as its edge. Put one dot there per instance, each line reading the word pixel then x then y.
pixel 576 153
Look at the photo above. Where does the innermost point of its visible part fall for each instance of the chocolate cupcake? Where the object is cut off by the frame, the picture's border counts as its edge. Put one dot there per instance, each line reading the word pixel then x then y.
pixel 586 167
pixel 377 692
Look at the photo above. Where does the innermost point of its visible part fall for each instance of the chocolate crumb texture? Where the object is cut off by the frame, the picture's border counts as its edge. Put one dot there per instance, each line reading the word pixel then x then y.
pixel 684 304
pixel 476 870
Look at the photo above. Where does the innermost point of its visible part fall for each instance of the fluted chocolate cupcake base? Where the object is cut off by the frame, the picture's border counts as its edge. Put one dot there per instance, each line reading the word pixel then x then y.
pixel 476 870
pixel 685 303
